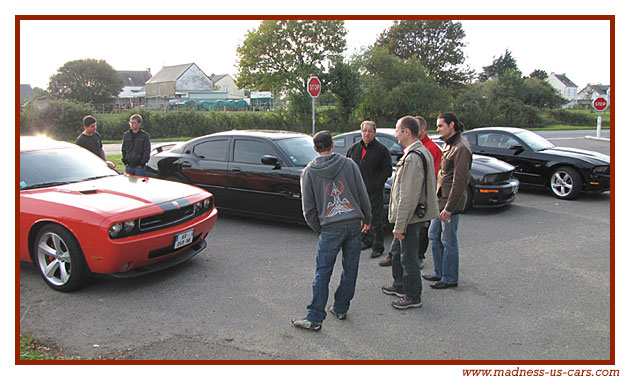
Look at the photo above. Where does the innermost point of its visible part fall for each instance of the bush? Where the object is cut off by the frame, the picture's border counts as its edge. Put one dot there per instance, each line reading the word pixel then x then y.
pixel 575 118
pixel 61 119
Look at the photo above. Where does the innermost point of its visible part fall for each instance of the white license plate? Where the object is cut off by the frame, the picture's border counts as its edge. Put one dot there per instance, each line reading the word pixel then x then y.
pixel 184 238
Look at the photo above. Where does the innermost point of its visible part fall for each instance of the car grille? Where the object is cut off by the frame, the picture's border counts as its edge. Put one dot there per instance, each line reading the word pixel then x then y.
pixel 166 219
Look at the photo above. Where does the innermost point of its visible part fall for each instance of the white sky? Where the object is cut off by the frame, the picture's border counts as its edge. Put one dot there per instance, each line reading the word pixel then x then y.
pixel 578 48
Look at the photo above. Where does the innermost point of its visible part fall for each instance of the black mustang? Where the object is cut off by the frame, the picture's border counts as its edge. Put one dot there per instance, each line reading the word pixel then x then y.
pixel 565 171
pixel 491 183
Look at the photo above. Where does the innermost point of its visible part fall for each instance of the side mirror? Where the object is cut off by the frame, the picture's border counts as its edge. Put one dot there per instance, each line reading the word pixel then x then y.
pixel 270 160
pixel 397 152
pixel 517 148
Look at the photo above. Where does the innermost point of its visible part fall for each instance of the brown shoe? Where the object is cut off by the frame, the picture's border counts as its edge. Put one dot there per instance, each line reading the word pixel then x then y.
pixel 386 262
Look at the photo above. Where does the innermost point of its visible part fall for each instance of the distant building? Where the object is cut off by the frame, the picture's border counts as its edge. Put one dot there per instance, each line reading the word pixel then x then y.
pixel 568 90
pixel 133 92
pixel 592 91
pixel 178 82
pixel 225 83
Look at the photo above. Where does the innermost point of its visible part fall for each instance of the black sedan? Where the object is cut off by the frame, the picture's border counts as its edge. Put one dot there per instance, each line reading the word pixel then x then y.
pixel 249 172
pixel 491 181
pixel 538 162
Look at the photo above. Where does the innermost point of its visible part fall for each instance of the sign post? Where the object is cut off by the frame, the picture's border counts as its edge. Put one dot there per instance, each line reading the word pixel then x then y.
pixel 314 87
pixel 600 104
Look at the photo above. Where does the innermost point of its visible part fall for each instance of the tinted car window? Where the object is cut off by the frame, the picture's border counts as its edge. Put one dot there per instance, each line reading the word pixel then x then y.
pixel 388 142
pixel 250 151
pixel 214 150
pixel 340 142
pixel 497 140
pixel 299 149
pixel 471 137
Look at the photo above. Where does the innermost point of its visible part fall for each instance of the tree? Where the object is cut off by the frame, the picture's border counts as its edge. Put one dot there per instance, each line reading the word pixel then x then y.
pixel 344 85
pixel 539 74
pixel 282 54
pixel 395 87
pixel 436 43
pixel 87 81
pixel 499 66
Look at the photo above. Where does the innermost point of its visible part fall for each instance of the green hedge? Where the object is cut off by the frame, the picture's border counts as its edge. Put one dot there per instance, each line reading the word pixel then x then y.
pixel 63 120
pixel 574 117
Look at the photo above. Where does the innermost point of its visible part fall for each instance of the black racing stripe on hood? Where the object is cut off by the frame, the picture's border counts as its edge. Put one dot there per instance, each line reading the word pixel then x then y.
pixel 174 204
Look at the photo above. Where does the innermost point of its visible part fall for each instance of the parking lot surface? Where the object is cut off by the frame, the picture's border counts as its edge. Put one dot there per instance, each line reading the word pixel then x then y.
pixel 534 285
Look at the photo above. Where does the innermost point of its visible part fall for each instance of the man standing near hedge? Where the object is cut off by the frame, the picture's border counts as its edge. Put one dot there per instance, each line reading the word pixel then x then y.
pixel 136 147
pixel 90 139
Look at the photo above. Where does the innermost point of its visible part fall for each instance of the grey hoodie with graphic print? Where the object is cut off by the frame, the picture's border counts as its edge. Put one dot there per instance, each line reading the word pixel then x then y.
pixel 333 192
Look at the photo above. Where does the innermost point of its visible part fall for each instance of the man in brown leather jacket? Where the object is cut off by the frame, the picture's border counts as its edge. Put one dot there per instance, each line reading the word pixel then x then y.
pixel 452 183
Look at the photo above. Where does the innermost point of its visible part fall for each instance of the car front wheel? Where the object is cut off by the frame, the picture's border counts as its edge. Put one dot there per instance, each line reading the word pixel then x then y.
pixel 59 258
pixel 565 183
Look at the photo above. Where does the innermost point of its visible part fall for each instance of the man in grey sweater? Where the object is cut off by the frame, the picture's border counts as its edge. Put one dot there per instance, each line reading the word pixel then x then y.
pixel 336 205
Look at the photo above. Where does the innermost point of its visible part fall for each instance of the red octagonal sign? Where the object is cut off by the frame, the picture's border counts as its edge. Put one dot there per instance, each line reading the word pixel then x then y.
pixel 314 86
pixel 600 104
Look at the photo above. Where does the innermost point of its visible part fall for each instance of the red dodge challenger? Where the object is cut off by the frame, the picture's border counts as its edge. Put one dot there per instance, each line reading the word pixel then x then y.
pixel 80 218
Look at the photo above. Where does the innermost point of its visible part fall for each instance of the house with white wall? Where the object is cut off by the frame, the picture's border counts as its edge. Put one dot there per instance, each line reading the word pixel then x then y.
pixel 186 81
pixel 225 83
pixel 567 89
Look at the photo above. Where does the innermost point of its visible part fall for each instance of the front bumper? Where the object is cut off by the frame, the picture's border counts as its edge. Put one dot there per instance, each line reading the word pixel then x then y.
pixel 597 182
pixel 145 253
pixel 495 195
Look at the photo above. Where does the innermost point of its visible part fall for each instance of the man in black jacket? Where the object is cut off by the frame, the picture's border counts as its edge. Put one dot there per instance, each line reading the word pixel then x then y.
pixel 136 147
pixel 375 164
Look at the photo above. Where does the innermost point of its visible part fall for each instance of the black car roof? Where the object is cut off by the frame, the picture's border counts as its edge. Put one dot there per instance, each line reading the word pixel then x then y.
pixel 503 129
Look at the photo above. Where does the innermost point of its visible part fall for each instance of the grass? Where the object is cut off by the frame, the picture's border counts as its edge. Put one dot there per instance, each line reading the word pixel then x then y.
pixel 31 349
pixel 117 160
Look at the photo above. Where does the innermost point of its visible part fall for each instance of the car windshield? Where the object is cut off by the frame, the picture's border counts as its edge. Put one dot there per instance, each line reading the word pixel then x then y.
pixel 534 141
pixel 299 149
pixel 52 167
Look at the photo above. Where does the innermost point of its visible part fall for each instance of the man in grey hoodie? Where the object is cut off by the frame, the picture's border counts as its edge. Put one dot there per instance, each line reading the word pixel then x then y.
pixel 336 205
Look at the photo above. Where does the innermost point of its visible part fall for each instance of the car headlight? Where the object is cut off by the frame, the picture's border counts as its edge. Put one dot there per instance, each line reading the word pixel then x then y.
pixel 206 203
pixel 115 229
pixel 129 225
pixel 123 229
pixel 601 169
pixel 490 178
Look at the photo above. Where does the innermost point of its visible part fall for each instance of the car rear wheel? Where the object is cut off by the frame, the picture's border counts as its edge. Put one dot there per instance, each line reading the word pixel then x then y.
pixel 565 183
pixel 59 258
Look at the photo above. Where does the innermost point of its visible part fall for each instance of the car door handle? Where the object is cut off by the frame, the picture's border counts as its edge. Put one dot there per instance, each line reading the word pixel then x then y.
pixel 236 169
pixel 186 164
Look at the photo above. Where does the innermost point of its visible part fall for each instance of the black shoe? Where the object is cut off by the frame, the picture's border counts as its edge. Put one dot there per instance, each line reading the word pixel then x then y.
pixel 406 303
pixel 306 324
pixel 332 311
pixel 431 277
pixel 386 262
pixel 443 285
pixel 392 291
pixel 365 246
pixel 375 254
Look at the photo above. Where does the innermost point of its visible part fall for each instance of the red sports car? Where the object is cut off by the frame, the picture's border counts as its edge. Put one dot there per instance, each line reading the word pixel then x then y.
pixel 80 218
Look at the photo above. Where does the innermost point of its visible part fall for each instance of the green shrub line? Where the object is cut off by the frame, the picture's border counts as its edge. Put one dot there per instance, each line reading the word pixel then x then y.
pixel 62 120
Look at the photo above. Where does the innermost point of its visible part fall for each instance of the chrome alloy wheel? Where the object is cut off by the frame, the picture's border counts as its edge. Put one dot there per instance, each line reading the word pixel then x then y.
pixel 54 259
pixel 565 183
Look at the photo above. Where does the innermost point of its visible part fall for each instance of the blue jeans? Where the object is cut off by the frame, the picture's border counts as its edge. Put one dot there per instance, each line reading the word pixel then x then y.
pixel 405 262
pixel 445 248
pixel 346 237
pixel 137 170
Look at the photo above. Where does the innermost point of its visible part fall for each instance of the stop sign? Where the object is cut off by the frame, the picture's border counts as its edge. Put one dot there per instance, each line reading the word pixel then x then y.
pixel 600 104
pixel 314 86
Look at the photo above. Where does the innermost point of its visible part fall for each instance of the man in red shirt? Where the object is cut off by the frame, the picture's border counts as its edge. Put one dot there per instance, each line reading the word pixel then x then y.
pixel 436 152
